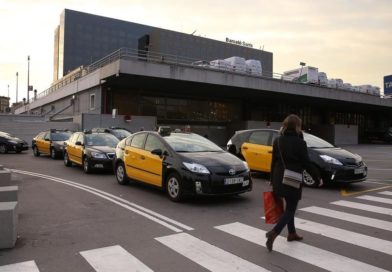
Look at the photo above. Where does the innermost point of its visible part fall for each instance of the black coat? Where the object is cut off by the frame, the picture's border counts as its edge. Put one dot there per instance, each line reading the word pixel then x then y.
pixel 296 158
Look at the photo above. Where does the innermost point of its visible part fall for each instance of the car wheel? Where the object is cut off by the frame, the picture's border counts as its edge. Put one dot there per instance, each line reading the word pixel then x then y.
pixel 67 162
pixel 53 154
pixel 308 179
pixel 35 151
pixel 121 175
pixel 3 149
pixel 86 166
pixel 174 187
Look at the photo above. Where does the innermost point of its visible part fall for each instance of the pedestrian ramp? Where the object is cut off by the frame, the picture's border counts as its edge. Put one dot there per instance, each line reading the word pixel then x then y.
pixel 343 223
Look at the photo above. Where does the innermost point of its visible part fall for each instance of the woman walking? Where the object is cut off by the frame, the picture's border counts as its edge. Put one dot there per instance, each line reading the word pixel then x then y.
pixel 289 151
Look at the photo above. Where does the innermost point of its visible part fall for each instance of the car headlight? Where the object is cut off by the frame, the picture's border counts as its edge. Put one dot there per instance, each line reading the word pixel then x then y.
pixel 329 159
pixel 12 142
pixel 196 168
pixel 246 165
pixel 98 155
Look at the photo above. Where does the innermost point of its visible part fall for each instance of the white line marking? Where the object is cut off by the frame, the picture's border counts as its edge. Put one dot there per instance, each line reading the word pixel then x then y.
pixel 112 198
pixel 367 221
pixel 207 255
pixel 28 266
pixel 363 207
pixel 386 193
pixel 345 236
pixel 315 256
pixel 376 199
pixel 114 258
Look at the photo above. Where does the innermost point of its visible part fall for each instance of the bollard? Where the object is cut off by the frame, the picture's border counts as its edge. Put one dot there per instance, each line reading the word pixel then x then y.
pixel 8 193
pixel 9 220
pixel 5 177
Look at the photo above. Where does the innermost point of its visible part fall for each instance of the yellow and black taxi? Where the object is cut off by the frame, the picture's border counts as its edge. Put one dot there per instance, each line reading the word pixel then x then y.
pixel 9 143
pixel 180 163
pixel 92 150
pixel 50 142
pixel 335 165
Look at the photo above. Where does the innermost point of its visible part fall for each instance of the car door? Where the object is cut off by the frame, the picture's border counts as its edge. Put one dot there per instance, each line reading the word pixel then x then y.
pixel 132 157
pixel 45 143
pixel 79 148
pixel 151 164
pixel 71 147
pixel 257 151
pixel 39 141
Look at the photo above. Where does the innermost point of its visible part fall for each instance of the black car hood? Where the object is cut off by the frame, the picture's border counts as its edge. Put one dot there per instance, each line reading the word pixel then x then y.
pixel 19 141
pixel 340 154
pixel 211 159
pixel 102 149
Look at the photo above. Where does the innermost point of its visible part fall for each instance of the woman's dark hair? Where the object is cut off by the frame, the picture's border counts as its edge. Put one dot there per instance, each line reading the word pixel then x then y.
pixel 292 122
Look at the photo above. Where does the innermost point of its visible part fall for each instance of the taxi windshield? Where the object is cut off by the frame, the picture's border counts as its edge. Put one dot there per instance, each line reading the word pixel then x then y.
pixel 61 136
pixel 183 142
pixel 103 139
pixel 316 142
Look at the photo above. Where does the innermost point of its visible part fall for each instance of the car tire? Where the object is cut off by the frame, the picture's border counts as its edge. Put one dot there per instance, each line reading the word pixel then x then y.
pixel 35 151
pixel 174 188
pixel 53 153
pixel 3 149
pixel 308 179
pixel 86 166
pixel 67 162
pixel 121 174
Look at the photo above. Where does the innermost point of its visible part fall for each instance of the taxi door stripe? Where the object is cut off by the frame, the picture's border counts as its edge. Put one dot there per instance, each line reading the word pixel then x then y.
pixel 113 258
pixel 143 170
pixel 367 221
pixel 309 254
pixel 363 207
pixel 346 236
pixel 386 193
pixel 376 199
pixel 208 256
pixel 29 266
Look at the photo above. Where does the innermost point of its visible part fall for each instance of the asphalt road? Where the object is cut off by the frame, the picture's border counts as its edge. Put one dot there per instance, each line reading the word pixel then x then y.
pixel 71 221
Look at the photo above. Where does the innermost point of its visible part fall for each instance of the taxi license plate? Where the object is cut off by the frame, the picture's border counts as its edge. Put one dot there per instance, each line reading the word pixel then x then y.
pixel 230 181
pixel 359 171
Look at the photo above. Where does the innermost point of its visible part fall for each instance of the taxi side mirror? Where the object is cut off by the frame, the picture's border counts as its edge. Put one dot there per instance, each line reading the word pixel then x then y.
pixel 78 143
pixel 47 139
pixel 157 152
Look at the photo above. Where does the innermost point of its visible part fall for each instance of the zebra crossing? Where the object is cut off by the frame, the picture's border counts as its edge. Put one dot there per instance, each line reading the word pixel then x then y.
pixel 214 258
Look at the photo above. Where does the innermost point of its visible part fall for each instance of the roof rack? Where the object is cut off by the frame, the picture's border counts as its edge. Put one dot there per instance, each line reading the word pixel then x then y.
pixel 164 130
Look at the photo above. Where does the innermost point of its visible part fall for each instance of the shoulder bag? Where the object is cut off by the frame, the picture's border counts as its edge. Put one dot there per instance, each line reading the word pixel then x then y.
pixel 290 178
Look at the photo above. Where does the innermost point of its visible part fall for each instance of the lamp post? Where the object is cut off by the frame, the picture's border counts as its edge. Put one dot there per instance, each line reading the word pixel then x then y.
pixel 28 78
pixel 17 87
pixel 300 73
pixel 8 90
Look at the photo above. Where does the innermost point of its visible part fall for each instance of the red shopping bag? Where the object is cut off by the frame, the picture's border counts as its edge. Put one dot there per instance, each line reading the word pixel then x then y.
pixel 273 207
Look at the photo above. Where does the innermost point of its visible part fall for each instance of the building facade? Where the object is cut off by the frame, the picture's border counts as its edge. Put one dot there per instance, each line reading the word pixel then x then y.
pixel 4 104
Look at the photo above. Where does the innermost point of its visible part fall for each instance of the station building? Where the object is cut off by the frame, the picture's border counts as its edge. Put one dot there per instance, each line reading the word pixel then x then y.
pixel 104 65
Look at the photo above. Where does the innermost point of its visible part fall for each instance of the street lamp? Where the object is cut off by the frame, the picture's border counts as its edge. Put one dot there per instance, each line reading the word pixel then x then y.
pixel 28 78
pixel 17 87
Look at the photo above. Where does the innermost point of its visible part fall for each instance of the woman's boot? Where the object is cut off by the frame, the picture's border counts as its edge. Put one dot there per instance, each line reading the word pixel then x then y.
pixel 294 237
pixel 271 235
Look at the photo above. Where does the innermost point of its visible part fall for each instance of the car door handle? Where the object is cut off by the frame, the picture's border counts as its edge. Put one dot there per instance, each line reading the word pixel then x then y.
pixel 142 157
pixel 245 148
pixel 126 151
pixel 270 152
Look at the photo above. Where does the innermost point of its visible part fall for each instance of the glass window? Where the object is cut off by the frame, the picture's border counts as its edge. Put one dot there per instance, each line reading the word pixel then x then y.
pixel 316 142
pixel 153 142
pixel 101 139
pixel 80 139
pixel 260 137
pixel 138 140
pixel 61 136
pixel 184 142
pixel 74 137
pixel 92 101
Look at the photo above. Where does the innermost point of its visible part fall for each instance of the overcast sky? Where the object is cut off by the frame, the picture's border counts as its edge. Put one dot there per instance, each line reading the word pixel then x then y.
pixel 347 39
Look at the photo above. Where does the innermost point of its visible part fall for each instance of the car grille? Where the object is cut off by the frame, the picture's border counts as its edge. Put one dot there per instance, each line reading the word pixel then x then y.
pixel 353 163
pixel 110 155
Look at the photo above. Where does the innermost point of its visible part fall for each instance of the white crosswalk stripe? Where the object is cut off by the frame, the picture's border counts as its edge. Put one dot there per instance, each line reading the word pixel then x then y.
pixel 345 236
pixel 367 221
pixel 114 258
pixel 306 253
pixel 29 266
pixel 376 199
pixel 363 207
pixel 386 193
pixel 207 255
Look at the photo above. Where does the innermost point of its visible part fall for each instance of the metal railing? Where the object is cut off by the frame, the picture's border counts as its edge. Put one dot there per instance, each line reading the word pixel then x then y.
pixel 149 56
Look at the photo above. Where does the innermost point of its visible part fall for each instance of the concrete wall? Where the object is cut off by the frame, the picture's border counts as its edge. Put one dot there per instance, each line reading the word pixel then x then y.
pixel 89 121
pixel 346 135
pixel 27 127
